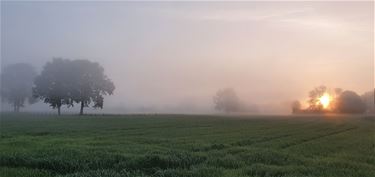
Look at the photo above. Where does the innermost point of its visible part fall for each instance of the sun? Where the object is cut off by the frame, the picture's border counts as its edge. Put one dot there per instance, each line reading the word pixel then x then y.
pixel 325 100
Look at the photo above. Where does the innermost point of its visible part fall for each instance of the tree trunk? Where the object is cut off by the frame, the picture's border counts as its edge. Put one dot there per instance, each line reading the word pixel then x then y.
pixel 59 110
pixel 82 105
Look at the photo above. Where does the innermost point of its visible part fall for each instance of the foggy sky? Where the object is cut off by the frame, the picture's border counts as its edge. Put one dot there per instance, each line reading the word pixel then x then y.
pixel 174 56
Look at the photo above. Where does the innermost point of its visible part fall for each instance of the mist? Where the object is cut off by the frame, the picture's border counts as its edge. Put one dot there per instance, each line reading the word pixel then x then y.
pixel 172 57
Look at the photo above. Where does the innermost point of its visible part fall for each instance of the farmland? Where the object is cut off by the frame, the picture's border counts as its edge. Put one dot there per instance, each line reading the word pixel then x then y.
pixel 186 146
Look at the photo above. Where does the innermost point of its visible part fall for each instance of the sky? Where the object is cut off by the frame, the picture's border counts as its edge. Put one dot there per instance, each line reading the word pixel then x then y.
pixel 172 57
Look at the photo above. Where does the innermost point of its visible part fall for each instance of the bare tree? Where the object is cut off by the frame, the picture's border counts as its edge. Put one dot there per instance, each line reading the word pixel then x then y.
pixel 16 85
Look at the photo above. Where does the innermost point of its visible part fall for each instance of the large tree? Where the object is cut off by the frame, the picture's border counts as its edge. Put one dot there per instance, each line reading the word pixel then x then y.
pixel 350 102
pixel 227 100
pixel 54 85
pixel 369 100
pixel 16 85
pixel 314 95
pixel 65 82
pixel 90 84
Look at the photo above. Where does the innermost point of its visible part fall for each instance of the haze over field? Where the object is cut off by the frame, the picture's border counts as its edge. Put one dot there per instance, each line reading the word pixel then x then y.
pixel 172 57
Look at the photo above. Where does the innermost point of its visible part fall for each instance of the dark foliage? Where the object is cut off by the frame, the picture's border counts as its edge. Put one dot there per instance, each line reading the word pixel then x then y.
pixel 65 82
pixel 351 103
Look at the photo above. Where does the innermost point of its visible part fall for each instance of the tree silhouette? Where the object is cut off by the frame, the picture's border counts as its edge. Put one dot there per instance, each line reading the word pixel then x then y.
pixel 90 84
pixel 65 82
pixel 315 94
pixel 16 85
pixel 54 84
pixel 368 99
pixel 226 100
pixel 350 102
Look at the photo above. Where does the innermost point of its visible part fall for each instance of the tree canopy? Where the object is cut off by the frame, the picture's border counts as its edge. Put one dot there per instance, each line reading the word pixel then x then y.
pixel 16 85
pixel 65 82
pixel 324 100
pixel 54 85
pixel 314 95
pixel 350 102
pixel 90 84
pixel 369 100
pixel 227 100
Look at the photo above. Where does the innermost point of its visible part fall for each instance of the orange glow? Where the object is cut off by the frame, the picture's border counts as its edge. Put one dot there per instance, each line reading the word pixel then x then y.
pixel 325 100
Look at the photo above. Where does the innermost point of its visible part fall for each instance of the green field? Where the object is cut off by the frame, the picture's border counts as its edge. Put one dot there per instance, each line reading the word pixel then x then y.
pixel 186 146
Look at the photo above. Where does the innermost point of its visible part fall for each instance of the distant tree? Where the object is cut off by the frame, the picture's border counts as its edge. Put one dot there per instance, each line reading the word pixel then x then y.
pixel 226 100
pixel 350 102
pixel 369 99
pixel 90 84
pixel 54 85
pixel 315 94
pixel 333 104
pixel 296 107
pixel 16 85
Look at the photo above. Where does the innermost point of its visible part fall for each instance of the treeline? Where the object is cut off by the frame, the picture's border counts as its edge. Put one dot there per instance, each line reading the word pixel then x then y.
pixel 61 82
pixel 337 101
pixel 321 100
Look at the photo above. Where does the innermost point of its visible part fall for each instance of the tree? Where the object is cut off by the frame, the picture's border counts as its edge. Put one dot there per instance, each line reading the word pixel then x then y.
pixel 54 85
pixel 90 84
pixel 65 82
pixel 315 94
pixel 369 99
pixel 296 107
pixel 226 100
pixel 350 102
pixel 16 85
pixel 334 102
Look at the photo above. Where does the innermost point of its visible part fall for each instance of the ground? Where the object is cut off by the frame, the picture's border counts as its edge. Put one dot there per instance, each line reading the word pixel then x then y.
pixel 186 146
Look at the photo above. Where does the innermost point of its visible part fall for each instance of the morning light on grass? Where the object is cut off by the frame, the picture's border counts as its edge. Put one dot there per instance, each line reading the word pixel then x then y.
pixel 187 89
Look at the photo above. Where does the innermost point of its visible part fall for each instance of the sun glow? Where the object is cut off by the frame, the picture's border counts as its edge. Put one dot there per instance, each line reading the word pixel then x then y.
pixel 325 100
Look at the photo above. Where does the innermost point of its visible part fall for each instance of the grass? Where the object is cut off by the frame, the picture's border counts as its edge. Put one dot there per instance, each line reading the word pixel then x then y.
pixel 186 146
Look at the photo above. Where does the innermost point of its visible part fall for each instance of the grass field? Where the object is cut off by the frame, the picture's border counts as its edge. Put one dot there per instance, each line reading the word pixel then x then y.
pixel 186 146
